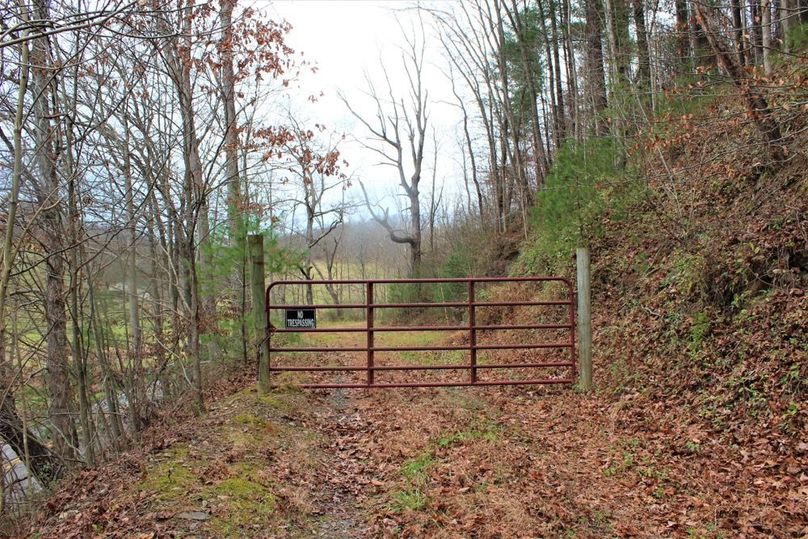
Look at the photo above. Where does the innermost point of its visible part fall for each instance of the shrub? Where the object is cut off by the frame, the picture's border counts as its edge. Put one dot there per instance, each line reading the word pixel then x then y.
pixel 587 179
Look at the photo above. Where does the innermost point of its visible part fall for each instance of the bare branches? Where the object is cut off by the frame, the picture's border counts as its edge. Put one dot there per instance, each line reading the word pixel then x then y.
pixel 31 28
pixel 394 121
pixel 397 235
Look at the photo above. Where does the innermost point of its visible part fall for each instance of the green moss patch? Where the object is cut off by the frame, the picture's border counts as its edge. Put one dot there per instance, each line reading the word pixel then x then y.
pixel 243 504
pixel 250 420
pixel 173 478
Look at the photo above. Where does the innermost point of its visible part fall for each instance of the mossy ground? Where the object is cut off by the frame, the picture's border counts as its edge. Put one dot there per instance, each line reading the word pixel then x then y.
pixel 230 475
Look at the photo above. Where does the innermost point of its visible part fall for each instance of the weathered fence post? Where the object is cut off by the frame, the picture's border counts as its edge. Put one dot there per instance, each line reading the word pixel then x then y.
pixel 584 319
pixel 255 243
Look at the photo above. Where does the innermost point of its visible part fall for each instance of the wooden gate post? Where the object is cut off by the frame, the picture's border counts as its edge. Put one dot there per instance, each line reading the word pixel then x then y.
pixel 584 319
pixel 255 243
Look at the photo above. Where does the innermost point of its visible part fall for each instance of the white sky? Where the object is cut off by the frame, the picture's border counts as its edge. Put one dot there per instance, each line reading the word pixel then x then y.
pixel 346 39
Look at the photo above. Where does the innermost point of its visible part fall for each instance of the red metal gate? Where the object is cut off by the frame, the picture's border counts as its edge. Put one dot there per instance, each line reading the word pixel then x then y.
pixel 470 328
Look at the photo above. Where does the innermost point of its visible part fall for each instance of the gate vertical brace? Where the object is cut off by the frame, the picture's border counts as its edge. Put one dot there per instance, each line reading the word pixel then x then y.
pixel 573 296
pixel 472 334
pixel 369 318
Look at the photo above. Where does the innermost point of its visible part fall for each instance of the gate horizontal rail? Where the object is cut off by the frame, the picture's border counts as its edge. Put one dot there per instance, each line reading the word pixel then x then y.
pixel 412 305
pixel 471 305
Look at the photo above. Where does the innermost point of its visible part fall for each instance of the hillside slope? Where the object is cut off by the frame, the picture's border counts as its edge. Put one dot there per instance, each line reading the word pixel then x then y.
pixel 700 271
pixel 700 288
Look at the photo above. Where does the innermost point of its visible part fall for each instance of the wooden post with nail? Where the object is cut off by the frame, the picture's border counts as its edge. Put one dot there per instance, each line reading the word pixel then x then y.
pixel 255 243
pixel 584 319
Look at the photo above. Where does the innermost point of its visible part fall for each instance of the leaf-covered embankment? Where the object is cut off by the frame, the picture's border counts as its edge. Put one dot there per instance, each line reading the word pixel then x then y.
pixel 700 264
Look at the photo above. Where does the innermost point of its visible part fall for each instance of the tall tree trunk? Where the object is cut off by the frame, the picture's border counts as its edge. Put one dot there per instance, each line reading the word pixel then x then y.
pixel 594 59
pixel 9 250
pixel 235 203
pixel 53 231
pixel 755 35
pixel 554 71
pixel 682 37
pixel 551 75
pixel 539 155
pixel 569 61
pixel 83 381
pixel 133 298
pixel 510 118
pixel 308 263
pixel 415 224
pixel 643 57
pixel 737 23
pixel 193 339
pixel 617 28
pixel 44 464
pixel 702 51
pixel 194 210
pixel 766 33
pixel 786 21
pixel 562 117
pixel 75 229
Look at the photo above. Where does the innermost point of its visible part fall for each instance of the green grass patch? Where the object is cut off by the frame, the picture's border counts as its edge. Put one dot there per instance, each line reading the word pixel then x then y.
pixel 415 470
pixel 698 331
pixel 489 432
pixel 408 499
pixel 625 463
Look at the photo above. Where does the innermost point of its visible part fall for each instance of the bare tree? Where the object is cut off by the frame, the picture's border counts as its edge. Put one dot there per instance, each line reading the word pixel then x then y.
pixel 47 187
pixel 400 127
pixel 317 168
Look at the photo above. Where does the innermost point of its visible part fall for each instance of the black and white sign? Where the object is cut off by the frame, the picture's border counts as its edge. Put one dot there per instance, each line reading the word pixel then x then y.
pixel 301 319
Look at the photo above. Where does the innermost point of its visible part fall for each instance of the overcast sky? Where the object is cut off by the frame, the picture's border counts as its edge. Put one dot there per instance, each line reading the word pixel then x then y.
pixel 346 40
